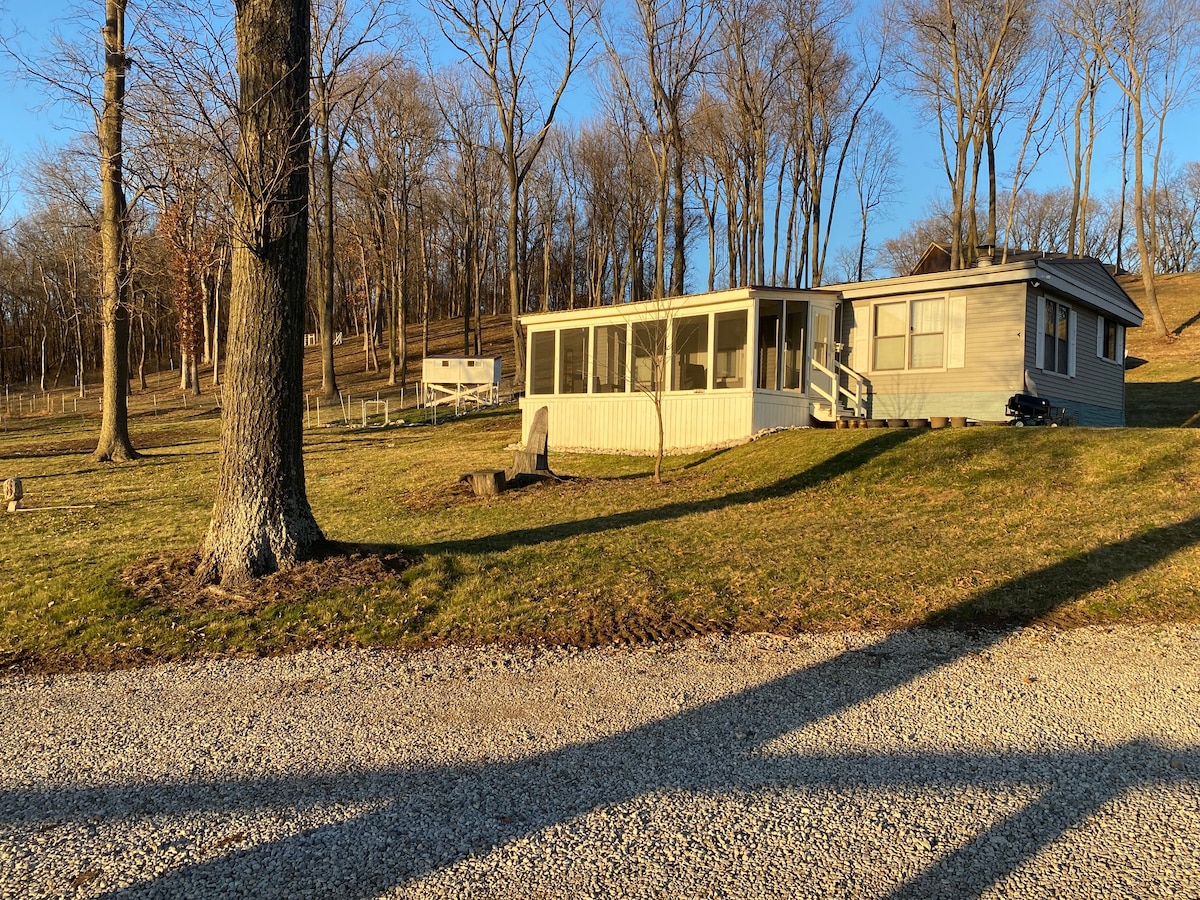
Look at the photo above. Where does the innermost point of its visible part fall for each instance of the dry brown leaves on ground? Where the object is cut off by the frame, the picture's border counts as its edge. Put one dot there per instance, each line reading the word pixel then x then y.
pixel 169 579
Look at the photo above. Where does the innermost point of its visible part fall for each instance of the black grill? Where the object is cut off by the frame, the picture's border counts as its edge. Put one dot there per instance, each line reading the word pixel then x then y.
pixel 1026 409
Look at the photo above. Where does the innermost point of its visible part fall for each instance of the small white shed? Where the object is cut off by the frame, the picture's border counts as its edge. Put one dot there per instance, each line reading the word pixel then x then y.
pixel 460 380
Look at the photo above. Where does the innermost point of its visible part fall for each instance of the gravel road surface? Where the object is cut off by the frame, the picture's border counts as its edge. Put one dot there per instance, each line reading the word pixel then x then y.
pixel 907 765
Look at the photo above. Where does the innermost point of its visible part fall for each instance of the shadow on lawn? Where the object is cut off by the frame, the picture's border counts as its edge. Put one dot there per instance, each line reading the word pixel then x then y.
pixel 1163 404
pixel 838 464
pixel 488 806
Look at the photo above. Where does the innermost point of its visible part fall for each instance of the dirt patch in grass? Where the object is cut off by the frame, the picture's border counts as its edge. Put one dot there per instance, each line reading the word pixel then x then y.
pixel 600 626
pixel 168 580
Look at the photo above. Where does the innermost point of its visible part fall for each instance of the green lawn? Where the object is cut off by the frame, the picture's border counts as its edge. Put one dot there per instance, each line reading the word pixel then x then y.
pixel 801 530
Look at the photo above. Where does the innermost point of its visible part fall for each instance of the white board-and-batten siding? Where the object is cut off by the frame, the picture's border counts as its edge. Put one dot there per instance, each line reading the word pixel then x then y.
pixel 691 420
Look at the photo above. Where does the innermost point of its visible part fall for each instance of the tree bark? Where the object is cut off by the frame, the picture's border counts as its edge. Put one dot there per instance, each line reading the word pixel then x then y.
pixel 114 442
pixel 325 293
pixel 261 518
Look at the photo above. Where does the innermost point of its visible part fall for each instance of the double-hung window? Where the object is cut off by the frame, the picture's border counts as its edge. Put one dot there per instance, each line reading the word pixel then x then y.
pixel 1056 337
pixel 918 334
pixel 928 334
pixel 1110 340
pixel 891 335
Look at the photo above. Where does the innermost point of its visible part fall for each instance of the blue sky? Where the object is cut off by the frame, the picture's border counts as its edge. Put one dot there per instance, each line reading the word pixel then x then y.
pixel 23 126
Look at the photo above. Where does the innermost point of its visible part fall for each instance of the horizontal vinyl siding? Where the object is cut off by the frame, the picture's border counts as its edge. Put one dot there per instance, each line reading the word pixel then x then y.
pixel 982 406
pixel 993 351
pixel 1097 382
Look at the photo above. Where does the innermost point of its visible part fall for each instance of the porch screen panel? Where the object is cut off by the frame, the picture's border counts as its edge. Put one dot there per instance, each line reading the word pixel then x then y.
pixel 541 362
pixel 768 344
pixel 928 333
pixel 729 368
pixel 891 329
pixel 610 359
pixel 794 320
pixel 649 355
pixel 573 361
pixel 690 352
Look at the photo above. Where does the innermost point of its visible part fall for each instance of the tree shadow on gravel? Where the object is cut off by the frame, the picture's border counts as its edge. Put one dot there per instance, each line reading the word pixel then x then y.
pixel 484 807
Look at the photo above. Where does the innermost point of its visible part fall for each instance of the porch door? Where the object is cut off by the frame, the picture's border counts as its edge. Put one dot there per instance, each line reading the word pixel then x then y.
pixel 822 352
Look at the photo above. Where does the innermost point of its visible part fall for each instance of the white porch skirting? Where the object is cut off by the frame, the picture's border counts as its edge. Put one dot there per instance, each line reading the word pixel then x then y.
pixel 699 420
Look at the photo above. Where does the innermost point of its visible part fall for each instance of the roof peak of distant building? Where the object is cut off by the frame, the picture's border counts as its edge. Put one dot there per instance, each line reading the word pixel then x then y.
pixel 936 258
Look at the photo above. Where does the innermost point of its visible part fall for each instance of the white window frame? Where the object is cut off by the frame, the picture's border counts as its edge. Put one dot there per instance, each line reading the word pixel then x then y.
pixel 954 318
pixel 1102 322
pixel 1072 337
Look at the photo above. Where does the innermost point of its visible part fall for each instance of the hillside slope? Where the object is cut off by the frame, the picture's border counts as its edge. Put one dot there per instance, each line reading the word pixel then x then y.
pixel 1163 377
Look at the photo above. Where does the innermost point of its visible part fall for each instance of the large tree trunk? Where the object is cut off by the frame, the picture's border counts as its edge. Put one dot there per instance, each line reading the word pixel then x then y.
pixel 114 443
pixel 261 518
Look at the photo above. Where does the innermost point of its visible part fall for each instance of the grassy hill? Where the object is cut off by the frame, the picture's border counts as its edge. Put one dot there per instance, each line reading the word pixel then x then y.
pixel 1163 381
pixel 803 530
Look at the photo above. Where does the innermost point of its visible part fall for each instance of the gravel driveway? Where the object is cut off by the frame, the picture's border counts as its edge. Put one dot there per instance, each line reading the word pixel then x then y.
pixel 916 765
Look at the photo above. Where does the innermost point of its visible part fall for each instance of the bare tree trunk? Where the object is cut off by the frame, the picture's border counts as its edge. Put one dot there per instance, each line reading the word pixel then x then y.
pixel 216 338
pixel 261 519
pixel 678 222
pixel 142 353
pixel 1145 234
pixel 206 325
pixel 114 443
pixel 325 292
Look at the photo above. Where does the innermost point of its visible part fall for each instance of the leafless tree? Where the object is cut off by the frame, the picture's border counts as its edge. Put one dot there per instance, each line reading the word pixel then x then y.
pixel 7 191
pixel 114 442
pixel 1178 226
pixel 498 39
pixel 873 164
pixel 1082 119
pixel 656 64
pixel 470 121
pixel 754 56
pixel 343 31
pixel 394 141
pixel 67 73
pixel 959 60
pixel 1149 50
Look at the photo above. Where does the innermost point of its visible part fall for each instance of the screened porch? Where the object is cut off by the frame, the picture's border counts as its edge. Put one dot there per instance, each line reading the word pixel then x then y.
pixel 722 367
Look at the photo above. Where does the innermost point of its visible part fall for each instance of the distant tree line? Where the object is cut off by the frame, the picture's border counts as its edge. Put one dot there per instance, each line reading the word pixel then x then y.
pixel 729 143
pixel 1042 220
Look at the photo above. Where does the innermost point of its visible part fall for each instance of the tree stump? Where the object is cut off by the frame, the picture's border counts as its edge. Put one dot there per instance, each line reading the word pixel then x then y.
pixel 13 492
pixel 486 482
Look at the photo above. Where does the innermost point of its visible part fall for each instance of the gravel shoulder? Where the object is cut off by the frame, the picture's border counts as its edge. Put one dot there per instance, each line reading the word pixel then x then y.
pixel 917 764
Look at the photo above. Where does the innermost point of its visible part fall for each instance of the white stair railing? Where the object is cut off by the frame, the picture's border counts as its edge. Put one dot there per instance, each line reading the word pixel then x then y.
pixel 855 393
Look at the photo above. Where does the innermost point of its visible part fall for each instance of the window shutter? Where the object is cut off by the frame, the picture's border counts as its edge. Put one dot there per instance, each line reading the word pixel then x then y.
pixel 1121 345
pixel 1072 333
pixel 860 346
pixel 956 333
pixel 1101 328
pixel 1039 343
